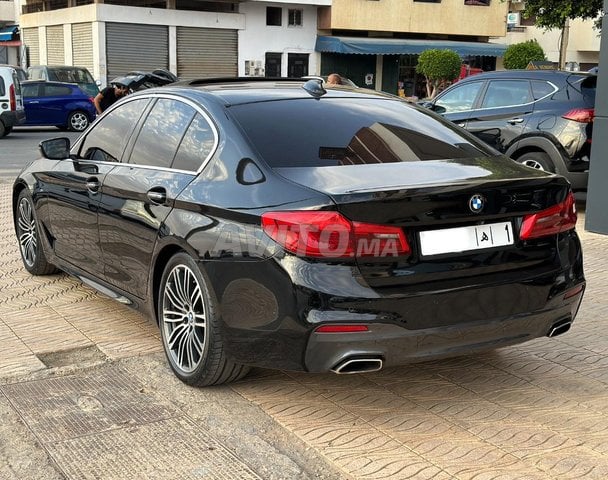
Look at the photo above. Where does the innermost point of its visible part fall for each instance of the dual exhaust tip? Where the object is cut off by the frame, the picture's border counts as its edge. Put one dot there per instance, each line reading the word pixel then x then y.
pixel 373 364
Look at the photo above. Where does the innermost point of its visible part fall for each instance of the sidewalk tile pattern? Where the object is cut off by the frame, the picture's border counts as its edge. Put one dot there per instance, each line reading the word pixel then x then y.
pixel 533 411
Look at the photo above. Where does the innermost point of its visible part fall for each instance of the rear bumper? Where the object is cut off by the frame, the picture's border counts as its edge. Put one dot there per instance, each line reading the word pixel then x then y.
pixel 12 118
pixel 396 345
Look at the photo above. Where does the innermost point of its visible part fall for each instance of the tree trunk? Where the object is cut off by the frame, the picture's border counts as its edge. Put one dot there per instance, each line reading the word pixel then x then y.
pixel 563 44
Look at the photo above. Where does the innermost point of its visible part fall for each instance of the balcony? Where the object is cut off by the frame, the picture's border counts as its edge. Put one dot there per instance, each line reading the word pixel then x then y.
pixel 7 11
pixel 228 6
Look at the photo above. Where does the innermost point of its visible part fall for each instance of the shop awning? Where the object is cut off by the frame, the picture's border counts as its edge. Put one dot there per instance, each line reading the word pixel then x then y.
pixel 404 46
pixel 7 33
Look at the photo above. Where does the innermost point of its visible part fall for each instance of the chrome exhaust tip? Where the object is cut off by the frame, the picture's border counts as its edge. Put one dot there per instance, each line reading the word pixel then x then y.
pixel 358 365
pixel 559 327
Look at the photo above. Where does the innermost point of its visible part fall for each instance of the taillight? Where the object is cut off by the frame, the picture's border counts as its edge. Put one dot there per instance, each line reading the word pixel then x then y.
pixel 553 220
pixel 12 98
pixel 330 235
pixel 582 115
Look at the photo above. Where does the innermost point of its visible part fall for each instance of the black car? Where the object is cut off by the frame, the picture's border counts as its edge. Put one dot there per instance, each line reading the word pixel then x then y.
pixel 541 118
pixel 254 234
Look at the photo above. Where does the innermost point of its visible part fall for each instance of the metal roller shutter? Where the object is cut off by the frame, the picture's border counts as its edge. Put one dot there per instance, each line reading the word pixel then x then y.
pixel 29 36
pixel 82 45
pixel 206 52
pixel 132 47
pixel 55 50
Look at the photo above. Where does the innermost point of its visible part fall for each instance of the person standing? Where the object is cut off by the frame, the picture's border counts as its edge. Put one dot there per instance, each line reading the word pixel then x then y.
pixel 108 96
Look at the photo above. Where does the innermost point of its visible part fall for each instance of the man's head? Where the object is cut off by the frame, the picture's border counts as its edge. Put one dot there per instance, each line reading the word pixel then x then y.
pixel 334 79
pixel 120 89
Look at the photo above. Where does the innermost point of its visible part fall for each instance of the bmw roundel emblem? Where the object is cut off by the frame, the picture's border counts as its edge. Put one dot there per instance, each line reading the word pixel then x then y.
pixel 476 203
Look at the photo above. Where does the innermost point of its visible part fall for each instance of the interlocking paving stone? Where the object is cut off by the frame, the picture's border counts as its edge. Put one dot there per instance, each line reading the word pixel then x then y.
pixel 532 411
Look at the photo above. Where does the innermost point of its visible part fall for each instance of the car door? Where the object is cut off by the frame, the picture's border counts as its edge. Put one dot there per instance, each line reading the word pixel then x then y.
pixel 75 187
pixel 456 103
pixel 139 194
pixel 50 104
pixel 503 112
pixel 31 102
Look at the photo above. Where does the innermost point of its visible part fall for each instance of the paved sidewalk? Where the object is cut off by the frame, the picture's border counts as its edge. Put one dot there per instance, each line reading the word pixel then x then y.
pixel 86 393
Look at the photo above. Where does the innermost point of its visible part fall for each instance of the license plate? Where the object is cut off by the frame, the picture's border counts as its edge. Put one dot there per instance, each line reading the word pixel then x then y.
pixel 464 239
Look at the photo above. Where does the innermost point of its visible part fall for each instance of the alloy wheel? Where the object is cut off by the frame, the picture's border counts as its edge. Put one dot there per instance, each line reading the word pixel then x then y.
pixel 26 225
pixel 184 318
pixel 533 164
pixel 78 121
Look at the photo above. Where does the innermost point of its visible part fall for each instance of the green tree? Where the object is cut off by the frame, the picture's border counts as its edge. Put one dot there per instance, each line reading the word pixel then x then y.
pixel 438 68
pixel 551 14
pixel 519 55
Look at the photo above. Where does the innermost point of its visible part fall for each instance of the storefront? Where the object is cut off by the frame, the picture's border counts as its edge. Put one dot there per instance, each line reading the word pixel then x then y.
pixel 389 64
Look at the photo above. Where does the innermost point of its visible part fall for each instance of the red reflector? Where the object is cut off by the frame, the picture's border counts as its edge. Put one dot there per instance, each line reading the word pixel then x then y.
pixel 553 220
pixel 341 328
pixel 583 115
pixel 573 292
pixel 330 235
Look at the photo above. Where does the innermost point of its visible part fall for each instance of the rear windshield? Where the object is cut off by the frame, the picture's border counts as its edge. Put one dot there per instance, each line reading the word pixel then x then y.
pixel 587 87
pixel 346 131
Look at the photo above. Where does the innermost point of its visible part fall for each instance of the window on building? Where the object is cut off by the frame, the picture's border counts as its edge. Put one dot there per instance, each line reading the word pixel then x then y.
pixel 485 3
pixel 295 17
pixel 272 67
pixel 273 16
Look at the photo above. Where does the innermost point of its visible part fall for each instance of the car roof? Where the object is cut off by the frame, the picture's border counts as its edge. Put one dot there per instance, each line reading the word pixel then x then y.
pixel 235 91
pixel 529 74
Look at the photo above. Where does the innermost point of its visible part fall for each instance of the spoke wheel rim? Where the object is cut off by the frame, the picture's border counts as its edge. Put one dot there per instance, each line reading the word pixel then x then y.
pixel 184 319
pixel 79 121
pixel 26 226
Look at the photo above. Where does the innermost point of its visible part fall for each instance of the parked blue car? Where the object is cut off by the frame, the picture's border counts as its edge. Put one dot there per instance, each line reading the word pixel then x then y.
pixel 59 104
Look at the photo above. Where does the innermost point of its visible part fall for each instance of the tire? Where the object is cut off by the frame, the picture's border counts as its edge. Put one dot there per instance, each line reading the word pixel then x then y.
pixel 78 121
pixel 537 160
pixel 7 130
pixel 28 235
pixel 3 130
pixel 190 327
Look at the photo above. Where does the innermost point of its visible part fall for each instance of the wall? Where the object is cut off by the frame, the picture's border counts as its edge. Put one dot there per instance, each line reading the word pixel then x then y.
pixel 257 38
pixel 448 17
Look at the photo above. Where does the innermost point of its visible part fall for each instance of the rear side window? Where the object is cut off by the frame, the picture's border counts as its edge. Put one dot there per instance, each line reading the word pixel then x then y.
pixel 56 91
pixel 342 131
pixel 541 89
pixel 506 93
pixel 30 90
pixel 2 87
pixel 196 146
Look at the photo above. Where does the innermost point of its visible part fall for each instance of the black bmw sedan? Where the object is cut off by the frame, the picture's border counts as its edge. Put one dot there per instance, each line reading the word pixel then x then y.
pixel 282 224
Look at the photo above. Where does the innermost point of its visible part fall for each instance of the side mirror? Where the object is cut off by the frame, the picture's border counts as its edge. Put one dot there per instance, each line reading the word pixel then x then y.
pixel 55 148
pixel 426 104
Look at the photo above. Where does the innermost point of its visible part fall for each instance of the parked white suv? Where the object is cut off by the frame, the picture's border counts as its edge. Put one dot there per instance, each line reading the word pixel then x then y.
pixel 11 102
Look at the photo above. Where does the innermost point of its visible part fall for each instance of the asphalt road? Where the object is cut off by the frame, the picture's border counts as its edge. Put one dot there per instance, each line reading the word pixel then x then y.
pixel 21 146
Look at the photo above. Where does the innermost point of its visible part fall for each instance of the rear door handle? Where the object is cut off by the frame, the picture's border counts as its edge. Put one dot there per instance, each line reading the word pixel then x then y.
pixel 157 195
pixel 514 121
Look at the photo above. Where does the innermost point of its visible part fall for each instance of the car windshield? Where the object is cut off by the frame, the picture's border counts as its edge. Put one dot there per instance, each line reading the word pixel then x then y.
pixel 339 131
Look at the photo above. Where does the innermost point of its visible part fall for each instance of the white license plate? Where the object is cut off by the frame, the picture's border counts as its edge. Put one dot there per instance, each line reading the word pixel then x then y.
pixel 464 239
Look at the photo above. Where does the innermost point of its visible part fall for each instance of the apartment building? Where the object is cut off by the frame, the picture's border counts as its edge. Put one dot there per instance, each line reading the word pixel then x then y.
pixel 9 38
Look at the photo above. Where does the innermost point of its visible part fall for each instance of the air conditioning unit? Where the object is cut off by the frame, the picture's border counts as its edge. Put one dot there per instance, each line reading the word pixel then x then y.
pixel 517 1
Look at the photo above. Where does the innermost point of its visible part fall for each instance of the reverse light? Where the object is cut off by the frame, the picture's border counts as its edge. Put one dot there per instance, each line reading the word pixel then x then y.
pixel 331 235
pixel 341 329
pixel 582 115
pixel 553 220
